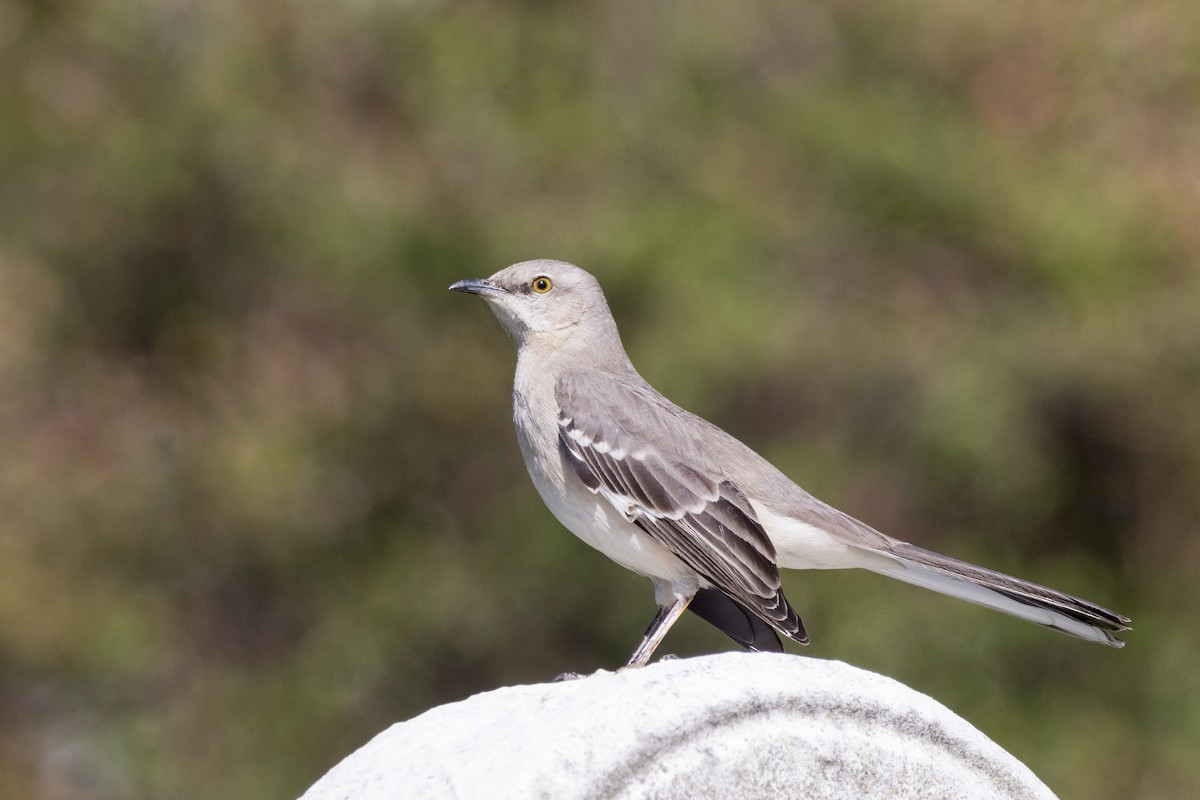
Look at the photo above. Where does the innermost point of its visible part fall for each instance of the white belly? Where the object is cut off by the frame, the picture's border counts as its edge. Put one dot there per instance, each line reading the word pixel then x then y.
pixel 596 521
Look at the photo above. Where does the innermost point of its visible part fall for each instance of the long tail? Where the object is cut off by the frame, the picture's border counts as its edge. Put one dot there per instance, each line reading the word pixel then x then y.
pixel 1029 601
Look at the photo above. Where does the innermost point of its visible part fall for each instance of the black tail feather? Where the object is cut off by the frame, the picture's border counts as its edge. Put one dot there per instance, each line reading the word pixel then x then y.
pixel 739 624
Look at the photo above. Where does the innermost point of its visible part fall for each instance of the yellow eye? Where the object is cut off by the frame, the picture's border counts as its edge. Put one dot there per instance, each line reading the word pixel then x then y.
pixel 541 284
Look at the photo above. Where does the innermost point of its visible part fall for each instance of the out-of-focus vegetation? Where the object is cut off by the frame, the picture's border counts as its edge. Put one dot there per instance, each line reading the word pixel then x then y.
pixel 260 495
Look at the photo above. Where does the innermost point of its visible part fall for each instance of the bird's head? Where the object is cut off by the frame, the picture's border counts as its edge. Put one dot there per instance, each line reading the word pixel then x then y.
pixel 536 298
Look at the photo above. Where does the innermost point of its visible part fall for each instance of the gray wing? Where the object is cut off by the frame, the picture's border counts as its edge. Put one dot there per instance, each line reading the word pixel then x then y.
pixel 606 435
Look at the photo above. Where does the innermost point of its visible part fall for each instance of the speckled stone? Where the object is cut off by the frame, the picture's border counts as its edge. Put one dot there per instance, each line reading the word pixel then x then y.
pixel 735 725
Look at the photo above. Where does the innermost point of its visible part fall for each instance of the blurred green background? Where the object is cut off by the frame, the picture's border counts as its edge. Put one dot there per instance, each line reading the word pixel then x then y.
pixel 260 493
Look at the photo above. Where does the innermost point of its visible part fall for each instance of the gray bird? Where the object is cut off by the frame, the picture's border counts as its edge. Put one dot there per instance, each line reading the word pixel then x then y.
pixel 673 497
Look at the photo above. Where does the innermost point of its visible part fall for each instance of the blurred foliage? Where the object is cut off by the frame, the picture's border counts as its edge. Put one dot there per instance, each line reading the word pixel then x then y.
pixel 260 495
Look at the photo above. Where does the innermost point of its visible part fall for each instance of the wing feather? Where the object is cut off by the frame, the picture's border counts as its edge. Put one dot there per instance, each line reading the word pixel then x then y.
pixel 704 520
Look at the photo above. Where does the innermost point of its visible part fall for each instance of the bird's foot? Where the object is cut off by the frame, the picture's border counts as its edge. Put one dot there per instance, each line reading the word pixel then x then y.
pixel 568 676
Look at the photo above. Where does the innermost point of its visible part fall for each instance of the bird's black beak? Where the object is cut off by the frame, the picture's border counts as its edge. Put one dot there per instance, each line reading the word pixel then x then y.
pixel 477 286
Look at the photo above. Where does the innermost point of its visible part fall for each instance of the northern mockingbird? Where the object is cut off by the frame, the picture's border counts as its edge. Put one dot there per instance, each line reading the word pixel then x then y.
pixel 670 496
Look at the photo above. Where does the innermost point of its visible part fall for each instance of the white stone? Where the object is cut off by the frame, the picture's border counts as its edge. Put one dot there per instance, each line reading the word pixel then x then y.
pixel 735 725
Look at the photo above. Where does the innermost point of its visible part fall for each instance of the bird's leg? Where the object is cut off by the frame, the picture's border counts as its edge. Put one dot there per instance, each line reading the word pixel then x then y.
pixel 659 626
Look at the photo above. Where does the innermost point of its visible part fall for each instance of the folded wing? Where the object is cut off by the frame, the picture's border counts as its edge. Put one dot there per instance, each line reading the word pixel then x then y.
pixel 606 434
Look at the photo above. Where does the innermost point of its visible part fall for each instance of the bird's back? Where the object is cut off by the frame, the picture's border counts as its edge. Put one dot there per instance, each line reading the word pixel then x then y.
pixel 645 415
